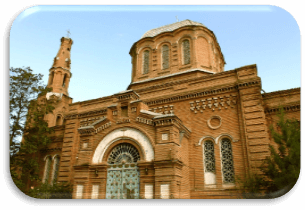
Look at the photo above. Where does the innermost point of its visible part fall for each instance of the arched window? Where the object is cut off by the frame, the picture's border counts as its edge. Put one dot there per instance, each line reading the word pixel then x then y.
pixel 227 161
pixel 58 120
pixel 186 52
pixel 51 78
pixel 165 57
pixel 55 169
pixel 64 80
pixel 209 163
pixel 47 169
pixel 145 62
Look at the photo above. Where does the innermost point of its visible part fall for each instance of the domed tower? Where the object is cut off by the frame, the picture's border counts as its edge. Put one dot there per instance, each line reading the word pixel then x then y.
pixel 176 48
pixel 59 73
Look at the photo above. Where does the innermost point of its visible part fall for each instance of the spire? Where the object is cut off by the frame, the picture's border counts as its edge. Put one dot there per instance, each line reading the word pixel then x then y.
pixel 59 74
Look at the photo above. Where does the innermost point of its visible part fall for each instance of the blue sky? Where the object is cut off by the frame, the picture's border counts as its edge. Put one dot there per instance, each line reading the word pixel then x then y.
pixel 101 65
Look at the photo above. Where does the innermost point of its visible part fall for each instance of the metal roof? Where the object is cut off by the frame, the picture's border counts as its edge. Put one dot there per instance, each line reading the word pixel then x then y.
pixel 170 27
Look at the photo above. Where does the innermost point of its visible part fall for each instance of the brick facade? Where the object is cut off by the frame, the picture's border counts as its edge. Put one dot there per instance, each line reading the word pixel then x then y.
pixel 167 115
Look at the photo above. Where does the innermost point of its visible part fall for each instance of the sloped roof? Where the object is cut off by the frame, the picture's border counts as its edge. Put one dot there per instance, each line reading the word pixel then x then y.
pixel 170 27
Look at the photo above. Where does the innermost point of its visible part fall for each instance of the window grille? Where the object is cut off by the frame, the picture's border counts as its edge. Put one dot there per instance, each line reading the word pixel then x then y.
pixel 145 62
pixel 227 161
pixel 47 170
pixel 209 158
pixel 123 153
pixel 186 51
pixel 55 169
pixel 165 57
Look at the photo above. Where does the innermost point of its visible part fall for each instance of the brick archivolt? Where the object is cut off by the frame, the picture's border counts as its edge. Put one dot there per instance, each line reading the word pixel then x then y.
pixel 217 139
pixel 133 134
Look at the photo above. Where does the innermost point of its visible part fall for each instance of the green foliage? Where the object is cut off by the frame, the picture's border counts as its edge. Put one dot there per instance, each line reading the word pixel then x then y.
pixel 27 112
pixel 281 169
pixel 24 87
pixel 55 191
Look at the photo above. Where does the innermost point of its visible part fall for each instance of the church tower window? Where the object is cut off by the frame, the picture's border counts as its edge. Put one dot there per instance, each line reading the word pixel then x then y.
pixel 58 120
pixel 51 78
pixel 146 62
pixel 165 57
pixel 64 80
pixel 186 52
pixel 227 161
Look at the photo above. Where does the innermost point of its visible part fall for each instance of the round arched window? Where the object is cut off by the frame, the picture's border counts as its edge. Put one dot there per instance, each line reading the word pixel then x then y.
pixel 123 153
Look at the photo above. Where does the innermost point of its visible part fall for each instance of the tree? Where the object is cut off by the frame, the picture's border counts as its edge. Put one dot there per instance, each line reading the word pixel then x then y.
pixel 28 107
pixel 281 169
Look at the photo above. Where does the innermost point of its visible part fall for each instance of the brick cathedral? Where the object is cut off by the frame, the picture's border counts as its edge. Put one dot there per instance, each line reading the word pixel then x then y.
pixel 184 128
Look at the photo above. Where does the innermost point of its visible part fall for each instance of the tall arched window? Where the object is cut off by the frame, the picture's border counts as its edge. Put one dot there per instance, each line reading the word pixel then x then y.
pixel 145 62
pixel 227 161
pixel 55 169
pixel 64 80
pixel 47 169
pixel 58 120
pixel 186 52
pixel 165 57
pixel 209 163
pixel 51 78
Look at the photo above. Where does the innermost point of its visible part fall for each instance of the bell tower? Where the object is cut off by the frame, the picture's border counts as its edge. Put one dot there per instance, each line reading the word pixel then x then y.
pixel 59 73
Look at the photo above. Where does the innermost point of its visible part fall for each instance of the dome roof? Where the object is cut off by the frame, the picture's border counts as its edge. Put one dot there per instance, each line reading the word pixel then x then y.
pixel 170 27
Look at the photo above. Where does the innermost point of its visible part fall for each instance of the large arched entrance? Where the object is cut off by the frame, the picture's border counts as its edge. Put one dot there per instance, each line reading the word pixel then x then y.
pixel 122 173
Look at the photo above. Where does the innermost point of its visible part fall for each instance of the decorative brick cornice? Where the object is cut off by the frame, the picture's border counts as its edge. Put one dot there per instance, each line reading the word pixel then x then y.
pixel 204 78
pixel 201 93
pixel 127 95
pixel 281 93
pixel 213 103
pixel 87 114
pixel 287 108
pixel 171 119
pixel 95 127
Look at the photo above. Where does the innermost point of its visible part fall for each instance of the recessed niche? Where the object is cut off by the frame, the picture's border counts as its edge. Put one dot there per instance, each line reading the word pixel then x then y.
pixel 214 122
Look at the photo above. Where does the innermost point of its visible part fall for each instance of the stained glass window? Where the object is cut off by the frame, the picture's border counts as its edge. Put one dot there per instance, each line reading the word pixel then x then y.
pixel 227 161
pixel 145 62
pixel 165 57
pixel 186 51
